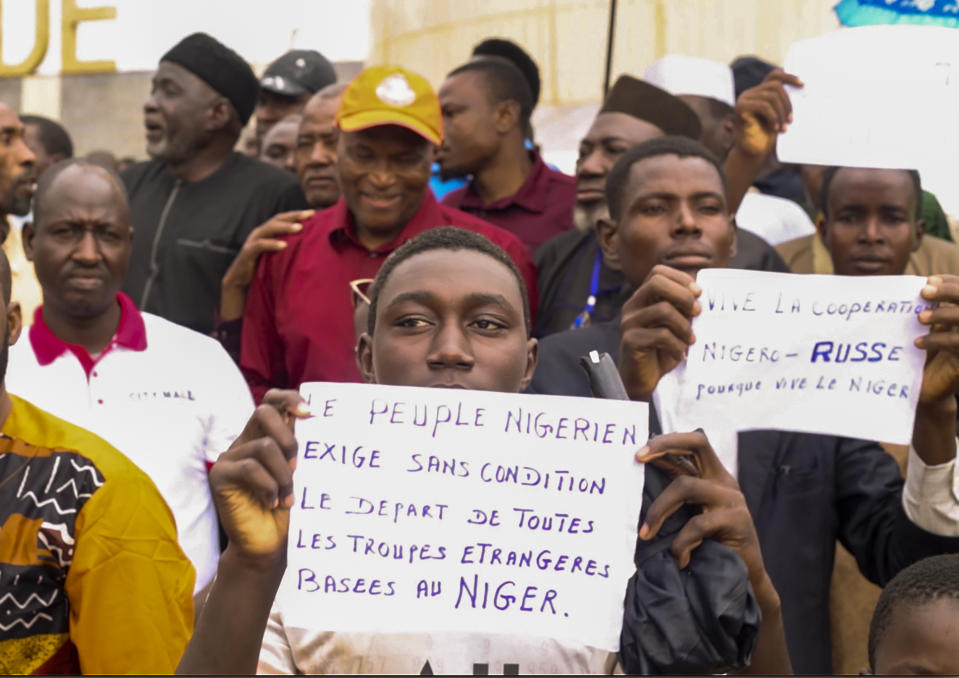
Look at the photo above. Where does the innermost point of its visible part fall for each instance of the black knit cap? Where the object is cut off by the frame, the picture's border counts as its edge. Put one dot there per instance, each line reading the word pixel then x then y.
pixel 656 106
pixel 221 68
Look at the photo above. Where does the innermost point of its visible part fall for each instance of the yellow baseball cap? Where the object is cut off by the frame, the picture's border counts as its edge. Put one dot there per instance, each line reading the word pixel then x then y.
pixel 391 95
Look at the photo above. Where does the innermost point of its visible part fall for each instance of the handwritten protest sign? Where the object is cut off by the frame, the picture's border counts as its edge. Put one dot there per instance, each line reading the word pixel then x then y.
pixel 425 510
pixel 813 353
pixel 878 96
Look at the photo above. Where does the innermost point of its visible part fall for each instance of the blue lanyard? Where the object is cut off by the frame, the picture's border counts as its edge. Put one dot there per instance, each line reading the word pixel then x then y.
pixel 583 317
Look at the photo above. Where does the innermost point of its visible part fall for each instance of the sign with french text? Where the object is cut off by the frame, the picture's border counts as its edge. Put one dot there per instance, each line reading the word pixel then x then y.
pixel 813 353
pixel 427 510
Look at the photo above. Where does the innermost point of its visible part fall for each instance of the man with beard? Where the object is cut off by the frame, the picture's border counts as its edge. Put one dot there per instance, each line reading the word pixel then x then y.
pixel 578 286
pixel 193 205
pixel 91 577
pixel 669 219
pixel 170 398
pixel 315 159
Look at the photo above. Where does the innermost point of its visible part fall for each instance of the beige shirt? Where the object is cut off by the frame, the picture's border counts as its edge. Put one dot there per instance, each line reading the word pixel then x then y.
pixel 26 288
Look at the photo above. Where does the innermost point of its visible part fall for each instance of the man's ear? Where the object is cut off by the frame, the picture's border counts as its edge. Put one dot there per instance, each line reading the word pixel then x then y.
pixel 920 232
pixel 821 227
pixel 14 322
pixel 219 114
pixel 532 358
pixel 27 235
pixel 364 357
pixel 506 116
pixel 728 131
pixel 607 235
pixel 734 243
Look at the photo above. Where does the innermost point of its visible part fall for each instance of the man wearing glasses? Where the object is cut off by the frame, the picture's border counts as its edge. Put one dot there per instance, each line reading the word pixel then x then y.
pixel 297 325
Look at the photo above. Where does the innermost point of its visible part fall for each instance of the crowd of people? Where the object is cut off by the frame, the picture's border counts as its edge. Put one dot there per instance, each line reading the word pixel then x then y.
pixel 383 231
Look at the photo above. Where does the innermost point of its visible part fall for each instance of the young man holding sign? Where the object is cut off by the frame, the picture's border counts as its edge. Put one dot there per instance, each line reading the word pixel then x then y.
pixel 669 221
pixel 449 310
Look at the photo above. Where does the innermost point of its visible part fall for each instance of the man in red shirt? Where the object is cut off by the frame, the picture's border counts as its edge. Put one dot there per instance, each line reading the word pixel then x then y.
pixel 298 322
pixel 486 108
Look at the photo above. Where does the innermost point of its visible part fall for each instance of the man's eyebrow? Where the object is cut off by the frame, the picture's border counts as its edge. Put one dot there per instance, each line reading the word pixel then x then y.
pixel 667 195
pixel 474 299
pixel 11 129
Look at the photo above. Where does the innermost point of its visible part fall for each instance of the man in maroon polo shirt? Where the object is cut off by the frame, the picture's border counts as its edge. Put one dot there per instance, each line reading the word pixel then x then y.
pixel 298 322
pixel 486 107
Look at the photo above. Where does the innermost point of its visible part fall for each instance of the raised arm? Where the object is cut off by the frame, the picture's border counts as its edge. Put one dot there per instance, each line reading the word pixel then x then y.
pixel 252 485
pixel 762 112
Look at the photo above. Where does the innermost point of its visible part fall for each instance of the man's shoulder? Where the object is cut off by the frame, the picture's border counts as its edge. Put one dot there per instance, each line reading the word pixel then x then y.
pixel 558 371
pixel 455 197
pixel 500 236
pixel 38 428
pixel 167 337
pixel 263 174
pixel 135 175
pixel 797 253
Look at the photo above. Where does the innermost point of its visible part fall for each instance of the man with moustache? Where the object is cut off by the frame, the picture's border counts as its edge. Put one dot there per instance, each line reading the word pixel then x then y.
pixel 298 320
pixel 168 397
pixel 194 203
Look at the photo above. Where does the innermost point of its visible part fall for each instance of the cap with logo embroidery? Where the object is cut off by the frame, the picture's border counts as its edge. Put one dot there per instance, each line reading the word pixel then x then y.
pixel 391 95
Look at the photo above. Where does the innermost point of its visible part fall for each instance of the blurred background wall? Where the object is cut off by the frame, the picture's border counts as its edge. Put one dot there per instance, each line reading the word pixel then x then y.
pixel 93 71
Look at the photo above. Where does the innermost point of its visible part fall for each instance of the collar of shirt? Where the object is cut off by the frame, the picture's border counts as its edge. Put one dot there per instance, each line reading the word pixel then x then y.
pixel 343 228
pixel 532 196
pixel 130 334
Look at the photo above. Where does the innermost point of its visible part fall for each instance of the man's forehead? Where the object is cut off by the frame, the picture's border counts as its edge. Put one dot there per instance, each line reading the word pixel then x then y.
pixel 689 174
pixel 9 118
pixel 624 126
pixel 886 184
pixel 418 275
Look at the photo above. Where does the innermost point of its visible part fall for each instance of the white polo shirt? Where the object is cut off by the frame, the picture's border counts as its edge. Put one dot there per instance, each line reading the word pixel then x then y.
pixel 169 398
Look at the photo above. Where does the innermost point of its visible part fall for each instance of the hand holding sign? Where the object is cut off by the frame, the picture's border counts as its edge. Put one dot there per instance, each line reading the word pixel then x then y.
pixel 656 329
pixel 252 482
pixel 940 377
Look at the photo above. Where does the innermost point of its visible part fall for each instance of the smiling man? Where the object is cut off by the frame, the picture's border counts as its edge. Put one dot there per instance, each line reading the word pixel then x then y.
pixel 168 397
pixel 195 202
pixel 389 125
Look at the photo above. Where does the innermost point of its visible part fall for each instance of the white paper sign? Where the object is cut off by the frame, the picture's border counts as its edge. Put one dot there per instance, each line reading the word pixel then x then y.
pixel 427 510
pixel 813 353
pixel 878 96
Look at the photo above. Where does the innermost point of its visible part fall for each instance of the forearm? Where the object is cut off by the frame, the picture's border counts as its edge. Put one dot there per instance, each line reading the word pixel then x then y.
pixel 934 431
pixel 771 655
pixel 741 171
pixel 229 630
pixel 232 300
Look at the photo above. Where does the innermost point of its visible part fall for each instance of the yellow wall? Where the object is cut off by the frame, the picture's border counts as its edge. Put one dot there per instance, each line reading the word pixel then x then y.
pixel 567 38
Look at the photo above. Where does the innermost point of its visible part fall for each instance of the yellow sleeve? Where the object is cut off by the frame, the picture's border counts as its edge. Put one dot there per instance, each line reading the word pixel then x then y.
pixel 130 585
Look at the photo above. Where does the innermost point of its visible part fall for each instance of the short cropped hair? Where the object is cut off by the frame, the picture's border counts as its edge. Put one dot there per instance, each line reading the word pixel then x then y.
pixel 504 83
pixel 50 176
pixel 509 50
pixel 830 174
pixel 683 147
pixel 924 582
pixel 444 238
pixel 52 135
